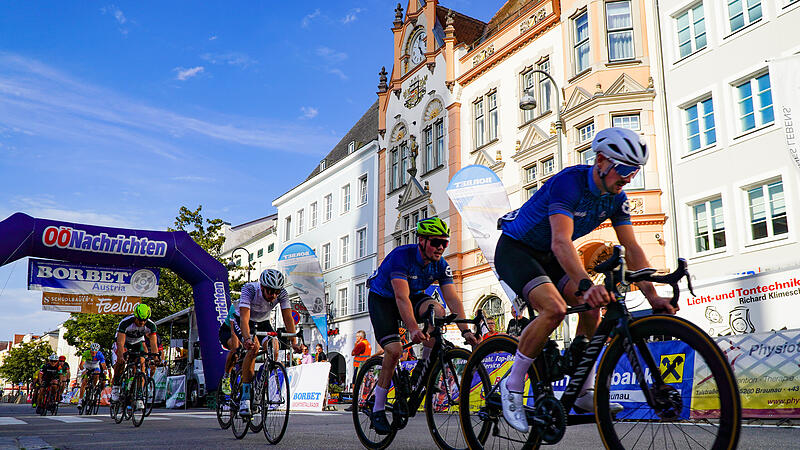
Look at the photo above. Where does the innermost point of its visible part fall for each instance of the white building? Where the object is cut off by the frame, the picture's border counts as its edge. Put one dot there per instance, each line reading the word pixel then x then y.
pixel 334 211
pixel 253 244
pixel 737 196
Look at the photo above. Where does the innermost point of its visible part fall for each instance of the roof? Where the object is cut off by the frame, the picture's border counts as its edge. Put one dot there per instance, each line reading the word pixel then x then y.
pixel 507 13
pixel 467 29
pixel 363 132
pixel 254 221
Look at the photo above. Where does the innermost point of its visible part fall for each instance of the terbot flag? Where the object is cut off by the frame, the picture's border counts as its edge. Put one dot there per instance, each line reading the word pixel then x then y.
pixel 303 271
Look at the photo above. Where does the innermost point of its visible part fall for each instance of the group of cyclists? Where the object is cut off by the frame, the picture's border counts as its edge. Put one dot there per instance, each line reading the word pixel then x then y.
pixel 535 256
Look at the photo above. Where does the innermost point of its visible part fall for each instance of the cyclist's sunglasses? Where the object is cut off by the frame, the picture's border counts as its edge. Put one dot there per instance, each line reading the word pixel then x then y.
pixel 436 242
pixel 269 291
pixel 624 170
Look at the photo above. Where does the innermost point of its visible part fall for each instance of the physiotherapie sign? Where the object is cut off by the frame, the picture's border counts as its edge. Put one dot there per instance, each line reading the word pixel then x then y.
pixel 70 278
pixel 88 304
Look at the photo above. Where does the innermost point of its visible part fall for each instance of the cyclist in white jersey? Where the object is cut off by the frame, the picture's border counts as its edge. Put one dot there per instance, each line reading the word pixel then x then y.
pixel 251 312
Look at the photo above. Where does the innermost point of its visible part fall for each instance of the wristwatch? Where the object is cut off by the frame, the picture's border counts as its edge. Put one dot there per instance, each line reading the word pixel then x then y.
pixel 583 286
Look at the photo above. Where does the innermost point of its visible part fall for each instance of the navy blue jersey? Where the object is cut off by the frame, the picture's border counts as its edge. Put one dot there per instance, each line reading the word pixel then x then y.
pixel 573 193
pixel 405 263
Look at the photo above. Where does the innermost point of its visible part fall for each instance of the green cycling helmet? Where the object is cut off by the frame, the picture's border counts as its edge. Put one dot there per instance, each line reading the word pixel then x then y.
pixel 432 226
pixel 142 311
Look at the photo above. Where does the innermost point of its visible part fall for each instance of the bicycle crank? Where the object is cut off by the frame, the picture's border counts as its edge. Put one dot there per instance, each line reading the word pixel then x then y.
pixel 549 419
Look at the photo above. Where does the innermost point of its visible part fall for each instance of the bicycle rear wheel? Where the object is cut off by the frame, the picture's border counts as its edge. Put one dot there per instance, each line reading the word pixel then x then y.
pixel 138 407
pixel 275 402
pixel 257 418
pixel 223 408
pixel 364 400
pixel 150 395
pixel 239 424
pixel 441 399
pixel 699 405
pixel 479 404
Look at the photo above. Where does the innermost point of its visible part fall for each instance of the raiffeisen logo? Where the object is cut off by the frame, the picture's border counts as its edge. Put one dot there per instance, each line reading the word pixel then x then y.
pixel 66 237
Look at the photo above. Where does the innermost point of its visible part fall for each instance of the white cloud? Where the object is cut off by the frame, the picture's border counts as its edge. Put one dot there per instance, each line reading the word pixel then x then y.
pixel 118 15
pixel 308 18
pixel 331 56
pixel 309 112
pixel 194 179
pixel 338 73
pixel 45 207
pixel 231 58
pixel 213 38
pixel 352 15
pixel 185 74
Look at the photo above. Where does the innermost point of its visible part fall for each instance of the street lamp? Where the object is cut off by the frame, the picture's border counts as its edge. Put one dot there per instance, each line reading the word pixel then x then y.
pixel 249 258
pixel 528 102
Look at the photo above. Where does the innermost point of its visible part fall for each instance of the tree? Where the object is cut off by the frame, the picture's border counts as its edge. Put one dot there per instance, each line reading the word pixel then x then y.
pixel 83 329
pixel 23 362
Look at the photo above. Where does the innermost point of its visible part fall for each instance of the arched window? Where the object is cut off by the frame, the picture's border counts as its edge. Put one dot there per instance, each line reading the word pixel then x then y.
pixel 492 307
pixel 433 135
pixel 398 162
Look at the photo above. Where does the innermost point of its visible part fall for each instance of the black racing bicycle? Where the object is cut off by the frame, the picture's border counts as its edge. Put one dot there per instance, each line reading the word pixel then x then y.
pixel 91 397
pixel 436 383
pixel 134 386
pixel 676 385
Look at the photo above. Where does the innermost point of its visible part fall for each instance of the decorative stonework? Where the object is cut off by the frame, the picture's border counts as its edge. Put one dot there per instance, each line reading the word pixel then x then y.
pixel 533 20
pixel 433 110
pixel 482 55
pixel 636 205
pixel 398 133
pixel 416 90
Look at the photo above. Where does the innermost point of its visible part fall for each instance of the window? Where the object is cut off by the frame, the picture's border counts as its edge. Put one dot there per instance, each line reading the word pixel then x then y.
pixel 313 216
pixel 260 252
pixel 548 166
pixel 493 119
pixel 767 208
pixel 351 147
pixel 395 176
pixel 743 12
pixel 480 126
pixel 342 300
pixel 361 297
pixel 287 232
pixel 527 86
pixel 328 207
pixel 238 262
pixel 438 128
pixel 408 228
pixel 581 42
pixel 587 157
pixel 300 222
pixel 709 225
pixel 345 198
pixel 249 257
pixel 270 248
pixel 493 309
pixel 545 90
pixel 619 27
pixel 430 161
pixel 344 249
pixel 629 121
pixel 755 102
pixel 530 173
pixel 326 256
pixel 362 190
pixel 585 133
pixel 322 165
pixel 700 129
pixel 361 242
pixel 529 191
pixel 434 145
pixel 691 30
pixel 405 163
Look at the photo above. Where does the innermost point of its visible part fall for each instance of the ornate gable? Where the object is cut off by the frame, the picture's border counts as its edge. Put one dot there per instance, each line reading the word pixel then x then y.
pixel 579 95
pixel 623 85
pixel 413 194
pixel 534 135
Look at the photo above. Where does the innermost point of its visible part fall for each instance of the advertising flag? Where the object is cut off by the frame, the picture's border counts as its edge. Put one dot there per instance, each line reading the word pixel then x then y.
pixel 784 74
pixel 301 267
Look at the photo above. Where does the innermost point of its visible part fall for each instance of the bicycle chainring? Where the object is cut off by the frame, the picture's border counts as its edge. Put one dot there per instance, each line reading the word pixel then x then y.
pixel 400 414
pixel 669 403
pixel 551 419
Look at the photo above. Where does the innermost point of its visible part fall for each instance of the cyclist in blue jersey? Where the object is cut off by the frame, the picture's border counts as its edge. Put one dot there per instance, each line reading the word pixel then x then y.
pixel 536 256
pixel 397 291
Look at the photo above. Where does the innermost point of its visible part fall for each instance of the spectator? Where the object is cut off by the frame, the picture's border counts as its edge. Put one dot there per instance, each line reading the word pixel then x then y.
pixel 517 324
pixel 492 328
pixel 306 358
pixel 361 352
pixel 319 356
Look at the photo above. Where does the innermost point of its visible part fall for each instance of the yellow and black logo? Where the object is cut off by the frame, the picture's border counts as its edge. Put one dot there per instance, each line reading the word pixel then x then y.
pixel 672 367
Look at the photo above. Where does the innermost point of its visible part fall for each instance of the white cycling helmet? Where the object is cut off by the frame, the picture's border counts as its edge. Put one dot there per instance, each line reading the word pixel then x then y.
pixel 621 146
pixel 52 357
pixel 95 347
pixel 272 279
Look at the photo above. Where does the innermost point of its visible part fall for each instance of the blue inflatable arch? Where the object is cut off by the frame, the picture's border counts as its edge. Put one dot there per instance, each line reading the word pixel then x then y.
pixel 22 235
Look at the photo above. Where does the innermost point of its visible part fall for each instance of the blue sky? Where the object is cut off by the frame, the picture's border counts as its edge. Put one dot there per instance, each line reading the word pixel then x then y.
pixel 120 113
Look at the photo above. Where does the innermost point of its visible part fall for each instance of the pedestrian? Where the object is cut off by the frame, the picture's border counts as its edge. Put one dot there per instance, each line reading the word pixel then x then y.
pixel 517 324
pixel 319 356
pixel 492 328
pixel 361 352
pixel 306 358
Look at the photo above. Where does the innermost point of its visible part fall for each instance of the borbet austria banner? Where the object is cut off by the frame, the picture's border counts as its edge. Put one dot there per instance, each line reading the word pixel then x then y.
pixel 301 267
pixel 784 74
pixel 308 386
pixel 88 304
pixel 748 304
pixel 73 278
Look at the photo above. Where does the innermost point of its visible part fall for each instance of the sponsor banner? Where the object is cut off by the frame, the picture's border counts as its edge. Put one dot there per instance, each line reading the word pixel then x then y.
pixel 748 304
pixel 767 371
pixel 160 380
pixel 784 74
pixel 301 267
pixel 73 278
pixel 481 199
pixel 88 304
pixel 176 391
pixel 308 386
pixel 67 237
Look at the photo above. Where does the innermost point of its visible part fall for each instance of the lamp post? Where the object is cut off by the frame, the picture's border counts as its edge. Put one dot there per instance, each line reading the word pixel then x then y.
pixel 528 102
pixel 249 258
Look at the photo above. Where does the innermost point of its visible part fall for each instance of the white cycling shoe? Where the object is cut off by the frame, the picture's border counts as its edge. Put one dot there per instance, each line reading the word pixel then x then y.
pixel 513 411
pixel 585 403
pixel 115 394
pixel 244 408
pixel 139 404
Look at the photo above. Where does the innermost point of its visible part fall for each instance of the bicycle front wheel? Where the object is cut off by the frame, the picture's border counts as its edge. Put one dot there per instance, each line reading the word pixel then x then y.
pixel 441 399
pixel 239 424
pixel 697 407
pixel 150 396
pixel 138 397
pixel 223 408
pixel 275 402
pixel 364 400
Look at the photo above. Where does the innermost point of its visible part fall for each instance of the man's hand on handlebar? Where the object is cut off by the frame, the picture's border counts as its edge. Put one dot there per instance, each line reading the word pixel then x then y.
pixel 663 305
pixel 296 347
pixel 248 344
pixel 471 339
pixel 596 296
pixel 417 336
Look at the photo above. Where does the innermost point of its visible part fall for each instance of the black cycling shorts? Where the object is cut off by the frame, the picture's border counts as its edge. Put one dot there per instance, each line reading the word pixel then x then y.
pixel 522 268
pixel 385 316
pixel 137 347
pixel 225 331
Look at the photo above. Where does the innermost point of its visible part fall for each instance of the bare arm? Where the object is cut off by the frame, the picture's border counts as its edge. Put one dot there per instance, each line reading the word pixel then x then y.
pixel 288 320
pixel 402 295
pixel 561 227
pixel 244 322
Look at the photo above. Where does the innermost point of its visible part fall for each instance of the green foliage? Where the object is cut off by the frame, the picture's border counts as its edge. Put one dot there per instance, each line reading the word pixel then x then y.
pixel 23 362
pixel 83 329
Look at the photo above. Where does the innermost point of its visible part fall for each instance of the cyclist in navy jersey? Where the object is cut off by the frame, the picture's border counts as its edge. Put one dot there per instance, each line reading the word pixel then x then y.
pixel 397 291
pixel 536 256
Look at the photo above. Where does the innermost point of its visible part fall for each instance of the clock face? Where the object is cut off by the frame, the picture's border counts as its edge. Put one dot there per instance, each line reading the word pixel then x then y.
pixel 418 48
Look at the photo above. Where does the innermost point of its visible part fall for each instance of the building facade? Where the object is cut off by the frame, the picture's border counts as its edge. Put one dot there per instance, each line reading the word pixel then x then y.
pixel 251 247
pixel 334 211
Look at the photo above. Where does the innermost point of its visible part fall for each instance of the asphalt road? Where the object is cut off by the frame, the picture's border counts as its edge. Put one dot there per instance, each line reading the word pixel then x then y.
pixel 195 429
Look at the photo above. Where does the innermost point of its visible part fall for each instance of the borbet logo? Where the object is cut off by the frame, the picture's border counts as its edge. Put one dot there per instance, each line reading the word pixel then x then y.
pixel 69 238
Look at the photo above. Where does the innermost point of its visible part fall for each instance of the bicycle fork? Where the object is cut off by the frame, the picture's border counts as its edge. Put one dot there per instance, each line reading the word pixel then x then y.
pixel 630 347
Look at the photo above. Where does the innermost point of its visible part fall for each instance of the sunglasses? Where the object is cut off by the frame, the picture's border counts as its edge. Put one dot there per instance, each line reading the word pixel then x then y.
pixel 439 242
pixel 269 291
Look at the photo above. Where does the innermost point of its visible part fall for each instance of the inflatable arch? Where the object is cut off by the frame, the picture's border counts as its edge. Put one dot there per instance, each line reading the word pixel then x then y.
pixel 22 235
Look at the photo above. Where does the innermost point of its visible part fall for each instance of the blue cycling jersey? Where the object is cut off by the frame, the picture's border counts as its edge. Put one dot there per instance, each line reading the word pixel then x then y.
pixel 405 263
pixel 573 193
